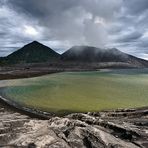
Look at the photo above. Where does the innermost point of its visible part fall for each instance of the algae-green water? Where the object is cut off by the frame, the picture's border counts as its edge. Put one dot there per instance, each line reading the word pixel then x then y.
pixel 80 91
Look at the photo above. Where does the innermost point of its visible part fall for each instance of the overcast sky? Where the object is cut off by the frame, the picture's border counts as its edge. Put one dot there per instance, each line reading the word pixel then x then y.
pixel 61 24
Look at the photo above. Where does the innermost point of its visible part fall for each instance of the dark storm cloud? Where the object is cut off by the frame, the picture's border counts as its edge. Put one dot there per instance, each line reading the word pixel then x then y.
pixel 53 7
pixel 130 31
pixel 131 37
pixel 135 7
pixel 40 8
pixel 64 23
pixel 66 20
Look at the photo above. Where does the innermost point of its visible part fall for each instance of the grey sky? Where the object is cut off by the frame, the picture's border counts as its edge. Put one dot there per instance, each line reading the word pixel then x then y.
pixel 61 24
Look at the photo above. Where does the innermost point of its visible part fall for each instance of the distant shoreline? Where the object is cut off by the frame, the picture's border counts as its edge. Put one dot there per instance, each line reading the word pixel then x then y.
pixel 36 113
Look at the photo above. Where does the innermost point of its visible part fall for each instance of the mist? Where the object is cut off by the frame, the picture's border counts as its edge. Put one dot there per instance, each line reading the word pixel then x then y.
pixel 62 24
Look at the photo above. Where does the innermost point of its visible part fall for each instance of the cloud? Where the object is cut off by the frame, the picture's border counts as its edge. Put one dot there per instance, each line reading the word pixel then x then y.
pixel 130 37
pixel 13 31
pixel 135 7
pixel 6 50
pixel 94 33
pixel 64 23
pixel 66 20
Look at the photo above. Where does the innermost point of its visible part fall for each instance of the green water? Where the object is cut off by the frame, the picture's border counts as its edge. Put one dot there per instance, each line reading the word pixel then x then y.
pixel 80 91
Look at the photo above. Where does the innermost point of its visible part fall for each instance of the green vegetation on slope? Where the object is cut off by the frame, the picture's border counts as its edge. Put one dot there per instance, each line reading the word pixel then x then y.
pixel 80 91
pixel 31 53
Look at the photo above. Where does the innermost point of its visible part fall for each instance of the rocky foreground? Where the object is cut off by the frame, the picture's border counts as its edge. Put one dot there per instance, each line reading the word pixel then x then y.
pixel 108 129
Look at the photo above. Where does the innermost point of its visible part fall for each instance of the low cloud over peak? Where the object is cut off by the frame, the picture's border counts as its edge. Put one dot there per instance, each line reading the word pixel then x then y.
pixel 64 23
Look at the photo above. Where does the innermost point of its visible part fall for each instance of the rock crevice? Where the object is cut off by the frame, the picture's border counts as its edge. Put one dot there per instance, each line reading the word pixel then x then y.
pixel 108 129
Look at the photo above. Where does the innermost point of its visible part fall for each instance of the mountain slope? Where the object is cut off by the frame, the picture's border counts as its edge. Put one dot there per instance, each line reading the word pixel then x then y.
pixel 32 53
pixel 93 54
pixel 36 52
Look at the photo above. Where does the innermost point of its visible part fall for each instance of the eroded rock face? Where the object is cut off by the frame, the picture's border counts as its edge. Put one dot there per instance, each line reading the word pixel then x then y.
pixel 110 129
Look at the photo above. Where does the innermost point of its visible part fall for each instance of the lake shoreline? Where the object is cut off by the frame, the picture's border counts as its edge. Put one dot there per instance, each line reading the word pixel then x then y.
pixel 44 115
pixel 116 128
pixel 34 113
pixel 24 127
pixel 38 69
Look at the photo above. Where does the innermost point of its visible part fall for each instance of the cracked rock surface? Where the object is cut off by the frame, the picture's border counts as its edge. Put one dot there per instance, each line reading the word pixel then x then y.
pixel 126 128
